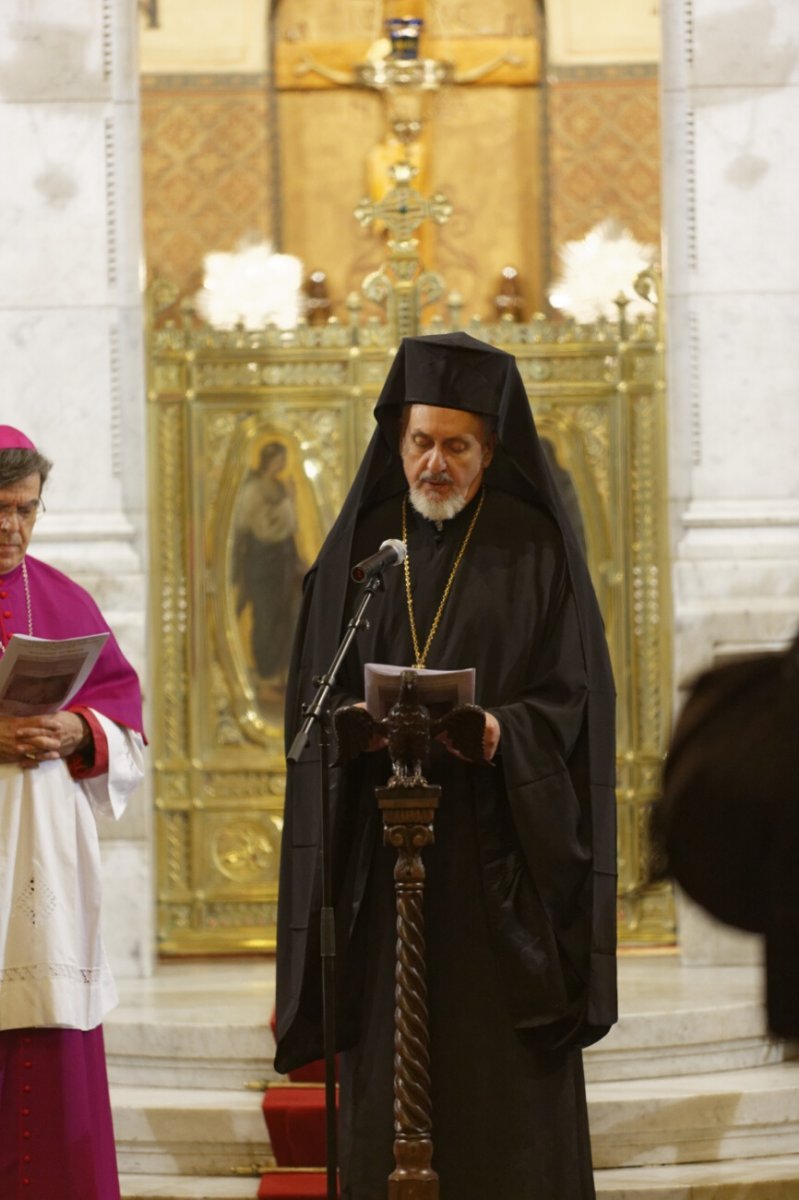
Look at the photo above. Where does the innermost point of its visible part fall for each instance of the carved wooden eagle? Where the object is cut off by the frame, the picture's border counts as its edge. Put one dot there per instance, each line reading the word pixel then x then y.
pixel 409 731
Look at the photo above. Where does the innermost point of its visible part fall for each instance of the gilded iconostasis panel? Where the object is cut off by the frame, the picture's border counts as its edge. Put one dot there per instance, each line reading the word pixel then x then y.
pixel 255 440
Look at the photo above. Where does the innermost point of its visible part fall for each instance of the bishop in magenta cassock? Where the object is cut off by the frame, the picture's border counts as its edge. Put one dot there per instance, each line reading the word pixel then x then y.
pixel 59 772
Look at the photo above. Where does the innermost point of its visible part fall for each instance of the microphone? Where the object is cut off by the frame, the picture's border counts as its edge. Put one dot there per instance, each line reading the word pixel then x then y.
pixel 391 553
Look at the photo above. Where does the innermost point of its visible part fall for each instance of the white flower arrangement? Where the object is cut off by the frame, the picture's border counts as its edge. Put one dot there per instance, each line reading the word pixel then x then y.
pixel 599 268
pixel 251 286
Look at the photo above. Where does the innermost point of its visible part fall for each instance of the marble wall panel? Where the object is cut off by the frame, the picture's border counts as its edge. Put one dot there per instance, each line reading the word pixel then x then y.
pixel 746 189
pixel 128 417
pixel 57 367
pixel 128 908
pixel 54 201
pixel 71 337
pixel 124 47
pixel 678 191
pixel 675 47
pixel 56 50
pixel 723 605
pixel 684 410
pixel 751 43
pixel 123 187
pixel 207 170
pixel 747 384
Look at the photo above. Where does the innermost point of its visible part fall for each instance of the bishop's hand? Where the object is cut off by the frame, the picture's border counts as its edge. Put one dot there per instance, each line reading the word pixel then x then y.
pixel 468 732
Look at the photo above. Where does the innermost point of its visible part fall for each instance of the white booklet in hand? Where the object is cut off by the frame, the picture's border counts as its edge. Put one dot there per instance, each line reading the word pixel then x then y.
pixel 439 691
pixel 41 675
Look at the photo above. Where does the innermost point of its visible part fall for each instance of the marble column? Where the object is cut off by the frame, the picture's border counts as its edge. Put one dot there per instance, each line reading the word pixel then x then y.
pixel 71 342
pixel 730 104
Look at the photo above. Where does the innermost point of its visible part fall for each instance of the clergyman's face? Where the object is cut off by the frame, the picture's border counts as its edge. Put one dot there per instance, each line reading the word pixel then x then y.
pixel 444 454
pixel 17 518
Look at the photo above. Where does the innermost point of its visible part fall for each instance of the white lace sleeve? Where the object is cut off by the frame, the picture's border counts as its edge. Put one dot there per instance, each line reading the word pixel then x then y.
pixel 108 794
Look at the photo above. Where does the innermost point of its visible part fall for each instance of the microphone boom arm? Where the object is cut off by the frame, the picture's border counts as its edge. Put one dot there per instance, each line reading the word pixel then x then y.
pixel 317 712
pixel 317 709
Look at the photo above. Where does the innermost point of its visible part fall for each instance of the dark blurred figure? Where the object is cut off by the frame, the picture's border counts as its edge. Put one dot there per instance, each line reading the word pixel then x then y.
pixel 727 826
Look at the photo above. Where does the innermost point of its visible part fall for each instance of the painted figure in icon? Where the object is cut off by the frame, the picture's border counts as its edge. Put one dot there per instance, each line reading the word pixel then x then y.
pixel 267 568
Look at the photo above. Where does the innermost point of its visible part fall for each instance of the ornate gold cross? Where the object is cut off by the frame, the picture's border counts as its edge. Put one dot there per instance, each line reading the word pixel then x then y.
pixel 403 209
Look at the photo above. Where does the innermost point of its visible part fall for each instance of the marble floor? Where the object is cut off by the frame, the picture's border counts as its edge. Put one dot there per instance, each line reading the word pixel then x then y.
pixel 688 1096
pixel 242 990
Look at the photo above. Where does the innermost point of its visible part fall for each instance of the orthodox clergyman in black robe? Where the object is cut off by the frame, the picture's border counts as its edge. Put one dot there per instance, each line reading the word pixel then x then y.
pixel 520 887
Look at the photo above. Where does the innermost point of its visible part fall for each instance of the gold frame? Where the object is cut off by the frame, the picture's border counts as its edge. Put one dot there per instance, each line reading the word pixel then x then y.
pixel 598 395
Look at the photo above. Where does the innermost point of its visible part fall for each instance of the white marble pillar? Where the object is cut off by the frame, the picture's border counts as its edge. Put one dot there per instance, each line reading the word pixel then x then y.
pixel 730 105
pixel 71 341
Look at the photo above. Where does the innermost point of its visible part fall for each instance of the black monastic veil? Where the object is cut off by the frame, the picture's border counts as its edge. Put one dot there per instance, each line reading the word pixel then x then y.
pixel 520 891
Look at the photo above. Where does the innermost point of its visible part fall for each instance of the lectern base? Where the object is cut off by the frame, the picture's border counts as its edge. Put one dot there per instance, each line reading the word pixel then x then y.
pixel 413 1178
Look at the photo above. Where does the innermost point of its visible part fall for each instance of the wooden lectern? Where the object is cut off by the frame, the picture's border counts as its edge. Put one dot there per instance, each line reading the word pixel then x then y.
pixel 408 825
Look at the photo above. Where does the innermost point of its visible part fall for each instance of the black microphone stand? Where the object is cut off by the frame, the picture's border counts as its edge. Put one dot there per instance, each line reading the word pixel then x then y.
pixel 318 712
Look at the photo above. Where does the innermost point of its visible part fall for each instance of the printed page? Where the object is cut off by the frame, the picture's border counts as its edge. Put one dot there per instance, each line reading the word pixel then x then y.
pixel 439 691
pixel 41 675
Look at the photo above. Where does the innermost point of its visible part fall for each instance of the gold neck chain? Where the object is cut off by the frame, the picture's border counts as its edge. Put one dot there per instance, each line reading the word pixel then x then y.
pixel 422 657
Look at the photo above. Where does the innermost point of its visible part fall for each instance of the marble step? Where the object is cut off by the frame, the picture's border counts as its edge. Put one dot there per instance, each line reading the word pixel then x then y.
pixel 648 1045
pixel 169 1187
pixel 204 1054
pixel 189 1131
pixel 750 1179
pixel 709 1118
pixel 209 1054
pixel 214 1055
pixel 205 1027
pixel 706 1118
pixel 684 1021
pixel 753 1179
pixel 211 1029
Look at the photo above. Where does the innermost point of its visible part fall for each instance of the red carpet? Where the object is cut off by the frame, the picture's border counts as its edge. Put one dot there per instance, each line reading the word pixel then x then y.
pixel 294 1111
pixel 289 1185
pixel 295 1117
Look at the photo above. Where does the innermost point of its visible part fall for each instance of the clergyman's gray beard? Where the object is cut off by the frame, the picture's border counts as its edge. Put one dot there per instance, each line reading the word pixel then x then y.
pixel 437 508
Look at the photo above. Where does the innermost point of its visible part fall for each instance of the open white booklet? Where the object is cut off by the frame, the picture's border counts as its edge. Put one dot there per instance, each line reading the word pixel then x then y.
pixel 41 675
pixel 439 691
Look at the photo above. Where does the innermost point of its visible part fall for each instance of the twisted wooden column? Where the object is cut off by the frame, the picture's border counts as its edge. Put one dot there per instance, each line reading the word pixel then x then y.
pixel 408 825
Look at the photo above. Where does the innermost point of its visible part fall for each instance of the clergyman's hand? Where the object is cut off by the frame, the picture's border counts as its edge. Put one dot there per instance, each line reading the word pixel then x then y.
pixel 491 736
pixel 28 741
pixel 378 741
